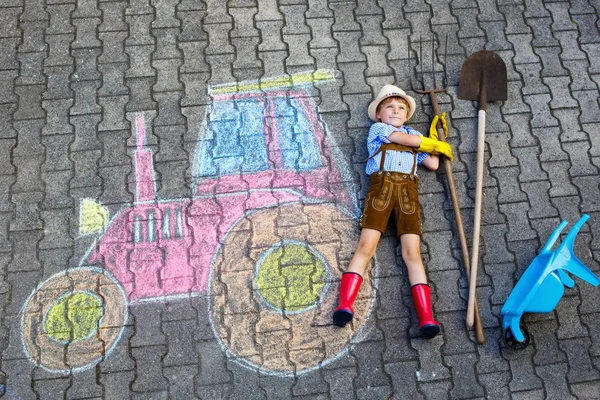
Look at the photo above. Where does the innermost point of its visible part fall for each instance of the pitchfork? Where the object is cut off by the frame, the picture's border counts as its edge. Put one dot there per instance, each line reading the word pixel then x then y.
pixel 422 89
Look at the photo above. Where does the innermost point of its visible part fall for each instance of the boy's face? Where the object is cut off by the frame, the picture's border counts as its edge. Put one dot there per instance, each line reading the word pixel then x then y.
pixel 392 111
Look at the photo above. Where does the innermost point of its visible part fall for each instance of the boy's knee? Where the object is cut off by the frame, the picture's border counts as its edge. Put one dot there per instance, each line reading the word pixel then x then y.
pixel 411 254
pixel 367 247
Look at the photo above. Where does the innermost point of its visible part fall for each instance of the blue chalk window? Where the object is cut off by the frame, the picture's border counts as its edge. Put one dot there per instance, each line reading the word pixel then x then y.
pixel 236 134
pixel 297 143
pixel 235 139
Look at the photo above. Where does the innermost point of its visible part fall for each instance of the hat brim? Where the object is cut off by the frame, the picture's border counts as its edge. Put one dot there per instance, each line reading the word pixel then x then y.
pixel 372 110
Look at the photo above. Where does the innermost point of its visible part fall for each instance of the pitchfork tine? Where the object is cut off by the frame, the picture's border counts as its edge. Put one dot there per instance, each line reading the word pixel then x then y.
pixel 433 62
pixel 420 60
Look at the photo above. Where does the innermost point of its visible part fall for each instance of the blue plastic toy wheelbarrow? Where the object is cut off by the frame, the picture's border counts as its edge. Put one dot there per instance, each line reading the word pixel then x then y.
pixel 542 284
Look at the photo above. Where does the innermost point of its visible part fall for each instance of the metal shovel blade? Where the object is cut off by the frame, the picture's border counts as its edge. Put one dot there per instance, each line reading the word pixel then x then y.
pixel 483 78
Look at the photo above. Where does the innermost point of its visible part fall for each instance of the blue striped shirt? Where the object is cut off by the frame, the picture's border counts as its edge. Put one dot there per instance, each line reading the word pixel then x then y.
pixel 395 161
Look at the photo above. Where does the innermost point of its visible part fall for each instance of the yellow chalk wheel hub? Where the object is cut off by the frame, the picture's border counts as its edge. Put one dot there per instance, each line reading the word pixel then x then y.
pixel 291 277
pixel 73 317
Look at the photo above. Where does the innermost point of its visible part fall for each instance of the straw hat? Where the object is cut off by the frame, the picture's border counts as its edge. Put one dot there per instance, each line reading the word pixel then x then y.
pixel 391 91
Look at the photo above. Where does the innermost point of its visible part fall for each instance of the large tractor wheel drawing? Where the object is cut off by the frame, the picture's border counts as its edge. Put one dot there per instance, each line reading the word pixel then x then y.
pixel 275 285
pixel 74 319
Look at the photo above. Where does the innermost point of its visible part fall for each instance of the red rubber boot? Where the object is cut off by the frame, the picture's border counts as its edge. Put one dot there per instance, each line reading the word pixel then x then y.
pixel 422 297
pixel 349 286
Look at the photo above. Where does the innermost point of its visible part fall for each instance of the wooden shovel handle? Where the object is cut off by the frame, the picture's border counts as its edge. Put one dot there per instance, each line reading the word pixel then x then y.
pixel 458 218
pixel 461 235
pixel 477 217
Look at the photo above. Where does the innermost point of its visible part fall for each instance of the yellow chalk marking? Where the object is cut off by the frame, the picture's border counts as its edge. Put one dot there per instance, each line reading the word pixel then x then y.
pixel 282 82
pixel 93 216
pixel 291 277
pixel 73 317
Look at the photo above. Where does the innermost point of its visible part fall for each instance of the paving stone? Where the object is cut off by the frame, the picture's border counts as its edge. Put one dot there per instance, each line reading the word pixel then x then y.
pixel 502 280
pixel 529 167
pixel 57 117
pixel 56 229
pixel 10 20
pixel 139 58
pixel 340 382
pixel 587 390
pixel 149 378
pixel 86 137
pixel 298 51
pixel 509 186
pixel 85 98
pixel 463 371
pixel 59 50
pixel 370 7
pixel 113 16
pixel 542 32
pixel 5 183
pixel 181 381
pixel 27 176
pixel 31 69
pixel 85 36
pixel 591 322
pixel 115 190
pixel 222 64
pixel 211 358
pixel 580 364
pixel 58 86
pixel 33 36
pixel 139 98
pixel 538 194
pixel 557 171
pixel 85 172
pixel 496 384
pixel 523 375
pixel 56 388
pixel 420 21
pixel 57 156
pixel 166 44
pixel 309 385
pixel 529 395
pixel 113 47
pixel 571 51
pixel 29 102
pixel 588 105
pixel 554 377
pixel 436 390
pixel 569 322
pixel 18 373
pixel 367 353
pixel 438 244
pixel 114 383
pixel 496 251
pixel 6 147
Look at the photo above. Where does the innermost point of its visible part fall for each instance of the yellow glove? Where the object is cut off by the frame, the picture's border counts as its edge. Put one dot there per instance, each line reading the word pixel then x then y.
pixel 433 133
pixel 433 146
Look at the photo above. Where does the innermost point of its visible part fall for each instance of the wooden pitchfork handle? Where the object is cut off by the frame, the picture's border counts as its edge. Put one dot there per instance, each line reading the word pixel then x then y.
pixel 457 213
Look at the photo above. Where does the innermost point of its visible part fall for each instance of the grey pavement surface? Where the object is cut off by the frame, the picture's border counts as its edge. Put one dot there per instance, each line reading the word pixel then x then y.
pixel 180 182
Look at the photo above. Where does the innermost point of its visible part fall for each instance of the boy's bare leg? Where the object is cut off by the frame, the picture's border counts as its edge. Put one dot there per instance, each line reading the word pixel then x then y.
pixel 369 238
pixel 411 254
pixel 352 278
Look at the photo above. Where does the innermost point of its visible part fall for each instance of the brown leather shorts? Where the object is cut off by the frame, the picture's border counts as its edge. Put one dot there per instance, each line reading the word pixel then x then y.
pixel 392 191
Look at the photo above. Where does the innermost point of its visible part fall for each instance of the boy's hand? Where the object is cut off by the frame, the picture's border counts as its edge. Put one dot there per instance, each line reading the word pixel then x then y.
pixel 433 133
pixel 433 146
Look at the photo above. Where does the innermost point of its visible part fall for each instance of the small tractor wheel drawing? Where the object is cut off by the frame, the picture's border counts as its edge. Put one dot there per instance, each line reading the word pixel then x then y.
pixel 74 319
pixel 275 285
pixel 512 343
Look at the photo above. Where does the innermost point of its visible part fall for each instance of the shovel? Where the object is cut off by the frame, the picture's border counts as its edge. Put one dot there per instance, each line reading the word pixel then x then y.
pixel 483 79
pixel 431 91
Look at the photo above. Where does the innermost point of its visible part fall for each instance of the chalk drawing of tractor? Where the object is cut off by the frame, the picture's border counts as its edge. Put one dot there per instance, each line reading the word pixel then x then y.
pixel 266 236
